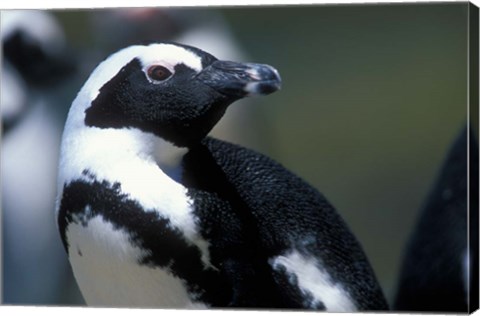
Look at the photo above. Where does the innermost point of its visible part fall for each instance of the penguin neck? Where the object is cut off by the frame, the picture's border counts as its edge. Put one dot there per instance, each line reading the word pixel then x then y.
pixel 104 152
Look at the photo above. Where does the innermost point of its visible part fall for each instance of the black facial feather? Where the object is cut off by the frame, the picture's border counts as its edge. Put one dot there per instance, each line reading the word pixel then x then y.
pixel 181 109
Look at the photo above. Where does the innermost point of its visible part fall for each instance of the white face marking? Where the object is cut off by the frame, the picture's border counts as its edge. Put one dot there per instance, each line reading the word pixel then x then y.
pixel 169 56
pixel 105 264
pixel 314 280
pixel 166 55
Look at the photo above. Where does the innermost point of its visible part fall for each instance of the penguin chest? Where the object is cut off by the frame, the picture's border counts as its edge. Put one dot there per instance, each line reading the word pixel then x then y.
pixel 111 269
pixel 125 253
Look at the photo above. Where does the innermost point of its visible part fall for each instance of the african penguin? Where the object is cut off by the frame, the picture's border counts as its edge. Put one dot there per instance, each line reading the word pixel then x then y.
pixel 222 227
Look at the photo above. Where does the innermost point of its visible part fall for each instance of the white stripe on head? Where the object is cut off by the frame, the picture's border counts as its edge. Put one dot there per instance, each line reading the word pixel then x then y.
pixel 168 55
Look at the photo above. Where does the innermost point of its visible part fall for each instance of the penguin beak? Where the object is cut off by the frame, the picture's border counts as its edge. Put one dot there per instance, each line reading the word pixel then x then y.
pixel 239 80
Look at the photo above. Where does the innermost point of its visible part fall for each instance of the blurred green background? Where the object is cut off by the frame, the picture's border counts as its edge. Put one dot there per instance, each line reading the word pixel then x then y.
pixel 372 97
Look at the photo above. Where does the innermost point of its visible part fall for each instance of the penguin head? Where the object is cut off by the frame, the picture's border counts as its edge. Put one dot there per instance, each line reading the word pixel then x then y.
pixel 174 91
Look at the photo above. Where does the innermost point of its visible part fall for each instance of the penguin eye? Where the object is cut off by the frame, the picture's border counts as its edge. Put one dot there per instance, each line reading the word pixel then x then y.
pixel 158 73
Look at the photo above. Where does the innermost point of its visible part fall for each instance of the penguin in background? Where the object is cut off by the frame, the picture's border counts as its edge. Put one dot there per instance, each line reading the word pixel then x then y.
pixel 229 228
pixel 33 59
pixel 439 272
pixel 34 79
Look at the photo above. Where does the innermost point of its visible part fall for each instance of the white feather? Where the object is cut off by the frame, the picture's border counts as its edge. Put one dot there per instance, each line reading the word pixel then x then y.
pixel 105 264
pixel 314 280
pixel 126 156
pixel 167 55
